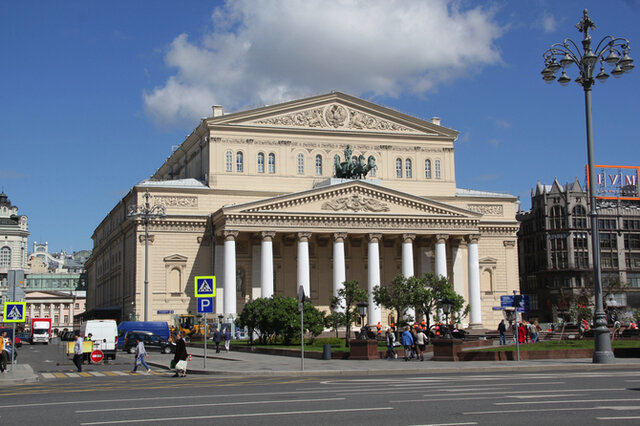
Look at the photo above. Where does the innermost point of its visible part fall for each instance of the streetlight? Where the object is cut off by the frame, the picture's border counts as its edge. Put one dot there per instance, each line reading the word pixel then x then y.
pixel 146 213
pixel 615 53
pixel 446 305
pixel 362 310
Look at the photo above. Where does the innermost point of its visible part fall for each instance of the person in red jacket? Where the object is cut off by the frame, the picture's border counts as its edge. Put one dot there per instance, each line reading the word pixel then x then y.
pixel 522 333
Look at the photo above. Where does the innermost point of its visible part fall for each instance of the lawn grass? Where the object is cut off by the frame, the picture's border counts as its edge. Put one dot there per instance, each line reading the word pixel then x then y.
pixel 562 345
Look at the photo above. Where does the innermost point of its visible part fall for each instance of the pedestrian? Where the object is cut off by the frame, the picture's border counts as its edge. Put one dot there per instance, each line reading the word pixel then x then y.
pixel 502 328
pixel 141 354
pixel 391 340
pixel 407 342
pixel 227 339
pixel 421 341
pixel 522 333
pixel 3 354
pixel 414 349
pixel 180 358
pixel 217 338
pixel 77 352
pixel 379 329
pixel 533 331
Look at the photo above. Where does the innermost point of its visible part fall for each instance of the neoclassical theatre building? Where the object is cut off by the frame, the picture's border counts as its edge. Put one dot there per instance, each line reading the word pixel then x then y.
pixel 253 198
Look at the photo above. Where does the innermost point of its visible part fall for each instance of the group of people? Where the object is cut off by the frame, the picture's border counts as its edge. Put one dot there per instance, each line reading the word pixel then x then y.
pixel 413 339
pixel 527 332
pixel 219 336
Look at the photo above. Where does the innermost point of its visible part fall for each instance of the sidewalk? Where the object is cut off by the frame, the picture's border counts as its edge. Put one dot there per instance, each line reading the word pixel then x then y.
pixel 250 364
pixel 17 375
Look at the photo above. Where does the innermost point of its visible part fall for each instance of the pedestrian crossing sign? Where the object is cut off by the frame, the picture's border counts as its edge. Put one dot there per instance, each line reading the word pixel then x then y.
pixel 14 311
pixel 205 286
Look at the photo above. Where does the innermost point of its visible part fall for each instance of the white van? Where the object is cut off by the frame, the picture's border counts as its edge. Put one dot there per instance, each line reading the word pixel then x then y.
pixel 104 334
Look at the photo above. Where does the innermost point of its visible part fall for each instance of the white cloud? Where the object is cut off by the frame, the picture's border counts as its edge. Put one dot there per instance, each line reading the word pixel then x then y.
pixel 262 53
pixel 548 22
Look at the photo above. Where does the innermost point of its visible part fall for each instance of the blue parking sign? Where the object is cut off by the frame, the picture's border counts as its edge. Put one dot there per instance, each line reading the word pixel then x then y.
pixel 205 305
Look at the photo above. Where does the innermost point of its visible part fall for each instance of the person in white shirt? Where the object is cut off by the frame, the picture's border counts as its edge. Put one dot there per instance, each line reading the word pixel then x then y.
pixel 77 352
pixel 141 353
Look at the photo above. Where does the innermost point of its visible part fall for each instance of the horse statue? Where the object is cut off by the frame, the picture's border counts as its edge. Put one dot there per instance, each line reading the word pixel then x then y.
pixel 353 168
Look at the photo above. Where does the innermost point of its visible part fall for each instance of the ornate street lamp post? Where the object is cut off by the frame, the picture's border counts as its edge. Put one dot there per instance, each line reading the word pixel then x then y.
pixel 446 305
pixel 615 53
pixel 362 310
pixel 147 214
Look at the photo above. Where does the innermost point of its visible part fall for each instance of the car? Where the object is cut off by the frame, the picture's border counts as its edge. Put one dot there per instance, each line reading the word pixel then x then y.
pixel 23 337
pixel 151 342
pixel 8 349
pixel 9 331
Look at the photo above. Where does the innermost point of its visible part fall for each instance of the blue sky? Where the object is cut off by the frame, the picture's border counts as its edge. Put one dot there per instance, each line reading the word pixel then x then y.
pixel 94 94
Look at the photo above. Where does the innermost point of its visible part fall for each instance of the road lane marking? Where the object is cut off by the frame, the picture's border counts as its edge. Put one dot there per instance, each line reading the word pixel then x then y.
pixel 84 374
pixel 229 416
pixel 537 410
pixel 111 373
pixel 155 407
pixel 74 375
pixel 60 375
pixel 619 418
pixel 121 373
pixel 566 401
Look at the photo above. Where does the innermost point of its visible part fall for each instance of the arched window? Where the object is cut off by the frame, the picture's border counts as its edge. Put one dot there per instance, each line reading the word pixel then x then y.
pixel 300 164
pixel 438 176
pixel 398 168
pixel 408 168
pixel 239 162
pixel 318 165
pixel 272 163
pixel 229 161
pixel 579 217
pixel 260 162
pixel 5 257
pixel 427 169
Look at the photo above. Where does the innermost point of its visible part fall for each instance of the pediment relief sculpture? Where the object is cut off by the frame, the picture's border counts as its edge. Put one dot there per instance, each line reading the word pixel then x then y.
pixel 335 116
pixel 355 203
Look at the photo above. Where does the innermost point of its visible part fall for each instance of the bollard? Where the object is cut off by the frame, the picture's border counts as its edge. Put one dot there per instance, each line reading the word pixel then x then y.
pixel 326 351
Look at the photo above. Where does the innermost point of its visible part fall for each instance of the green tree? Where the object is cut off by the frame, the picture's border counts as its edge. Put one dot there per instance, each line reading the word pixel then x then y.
pixel 252 317
pixel 397 296
pixel 348 296
pixel 334 320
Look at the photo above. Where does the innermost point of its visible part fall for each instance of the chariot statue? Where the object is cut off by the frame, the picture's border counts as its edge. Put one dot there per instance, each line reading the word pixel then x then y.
pixel 353 168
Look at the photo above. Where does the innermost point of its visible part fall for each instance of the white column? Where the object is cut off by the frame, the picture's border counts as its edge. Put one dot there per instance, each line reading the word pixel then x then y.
pixel 230 272
pixel 303 263
pixel 458 267
pixel 407 255
pixel 407 264
pixel 266 264
pixel 475 302
pixel 339 267
pixel 374 314
pixel 441 255
pixel 219 272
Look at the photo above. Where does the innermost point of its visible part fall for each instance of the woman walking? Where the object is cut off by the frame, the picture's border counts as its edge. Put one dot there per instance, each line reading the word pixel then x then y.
pixel 391 339
pixel 180 358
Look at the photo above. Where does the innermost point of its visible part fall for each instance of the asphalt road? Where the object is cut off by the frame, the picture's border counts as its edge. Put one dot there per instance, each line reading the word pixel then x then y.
pixel 505 398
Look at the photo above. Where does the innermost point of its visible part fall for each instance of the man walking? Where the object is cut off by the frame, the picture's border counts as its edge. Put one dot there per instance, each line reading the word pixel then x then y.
pixel 141 353
pixel 217 338
pixel 407 342
pixel 77 352
pixel 502 328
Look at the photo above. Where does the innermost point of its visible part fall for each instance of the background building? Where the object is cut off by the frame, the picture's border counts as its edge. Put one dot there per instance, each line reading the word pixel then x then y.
pixel 14 232
pixel 252 198
pixel 556 265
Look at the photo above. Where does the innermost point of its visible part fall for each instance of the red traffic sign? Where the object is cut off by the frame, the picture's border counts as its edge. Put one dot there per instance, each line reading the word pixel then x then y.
pixel 97 356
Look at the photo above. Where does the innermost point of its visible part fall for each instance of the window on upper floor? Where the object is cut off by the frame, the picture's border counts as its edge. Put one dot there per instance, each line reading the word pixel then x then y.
pixel 557 219
pixel 5 257
pixel 579 219
pixel 318 165
pixel 260 162
pixel 408 168
pixel 229 161
pixel 398 167
pixel 427 169
pixel 239 162
pixel 437 165
pixel 272 163
pixel 300 163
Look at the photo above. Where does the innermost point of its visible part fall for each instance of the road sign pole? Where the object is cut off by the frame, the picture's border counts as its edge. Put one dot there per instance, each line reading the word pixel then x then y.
pixel 13 347
pixel 205 340
pixel 516 331
pixel 301 335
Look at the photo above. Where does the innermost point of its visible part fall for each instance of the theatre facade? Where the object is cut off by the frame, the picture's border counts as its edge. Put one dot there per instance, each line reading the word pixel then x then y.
pixel 254 199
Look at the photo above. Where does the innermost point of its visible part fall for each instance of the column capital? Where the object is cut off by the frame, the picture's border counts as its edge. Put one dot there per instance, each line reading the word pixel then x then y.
pixel 441 238
pixel 374 237
pixel 473 238
pixel 267 235
pixel 408 238
pixel 462 242
pixel 339 237
pixel 303 237
pixel 230 235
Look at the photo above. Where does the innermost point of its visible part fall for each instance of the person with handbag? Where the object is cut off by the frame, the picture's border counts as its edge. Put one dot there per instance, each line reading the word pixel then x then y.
pixel 180 358
pixel 391 340
pixel 141 353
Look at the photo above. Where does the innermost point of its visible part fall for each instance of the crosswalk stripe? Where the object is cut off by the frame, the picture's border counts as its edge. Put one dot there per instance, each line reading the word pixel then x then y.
pixel 121 373
pixel 97 374
pixel 48 375
pixel 73 375
pixel 114 373
pixel 85 374
pixel 60 375
pixel 110 373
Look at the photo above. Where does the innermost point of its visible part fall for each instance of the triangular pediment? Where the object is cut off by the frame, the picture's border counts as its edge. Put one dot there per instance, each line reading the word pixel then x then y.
pixel 173 258
pixel 352 197
pixel 334 112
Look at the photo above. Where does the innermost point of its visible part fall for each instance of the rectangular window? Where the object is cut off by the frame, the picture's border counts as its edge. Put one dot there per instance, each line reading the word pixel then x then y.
pixel 632 241
pixel 607 224
pixel 608 241
pixel 77 306
pixel 437 167
pixel 631 224
pixel 633 280
pixel 609 260
pixel 632 260
pixel 66 319
pixel 229 161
